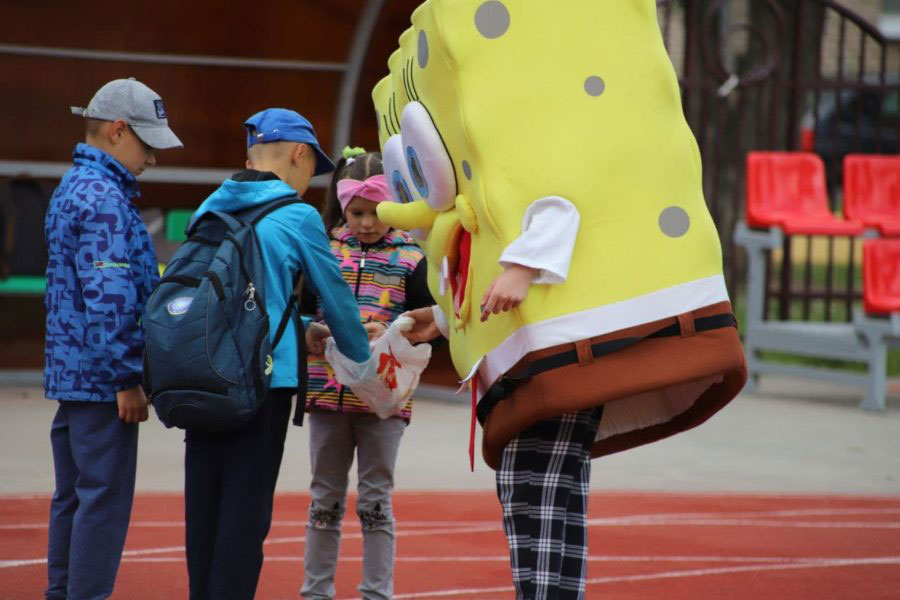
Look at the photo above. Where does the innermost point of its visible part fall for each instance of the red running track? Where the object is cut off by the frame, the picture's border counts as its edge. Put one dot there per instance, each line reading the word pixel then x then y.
pixel 451 545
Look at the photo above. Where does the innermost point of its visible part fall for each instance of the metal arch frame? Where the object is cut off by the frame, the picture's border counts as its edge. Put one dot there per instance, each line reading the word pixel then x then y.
pixel 39 169
pixel 188 175
pixel 352 71
pixel 193 60
pixel 350 84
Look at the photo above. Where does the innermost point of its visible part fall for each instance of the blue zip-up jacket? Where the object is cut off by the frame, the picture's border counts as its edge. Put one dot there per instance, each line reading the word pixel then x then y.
pixel 101 269
pixel 292 239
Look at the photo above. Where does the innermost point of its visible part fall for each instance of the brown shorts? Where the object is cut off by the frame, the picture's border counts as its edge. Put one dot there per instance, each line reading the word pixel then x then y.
pixel 650 390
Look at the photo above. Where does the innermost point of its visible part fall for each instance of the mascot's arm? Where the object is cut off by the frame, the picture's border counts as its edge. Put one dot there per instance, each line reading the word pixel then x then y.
pixel 549 228
pixel 440 319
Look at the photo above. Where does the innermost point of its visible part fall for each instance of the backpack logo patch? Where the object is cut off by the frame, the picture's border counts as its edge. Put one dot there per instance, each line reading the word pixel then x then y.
pixel 179 305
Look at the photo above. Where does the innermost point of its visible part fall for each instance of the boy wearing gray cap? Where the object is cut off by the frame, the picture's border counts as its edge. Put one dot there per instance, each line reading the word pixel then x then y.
pixel 101 269
pixel 230 477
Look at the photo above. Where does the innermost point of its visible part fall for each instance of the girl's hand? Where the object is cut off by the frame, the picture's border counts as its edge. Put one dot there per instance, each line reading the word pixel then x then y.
pixel 425 329
pixel 316 334
pixel 507 291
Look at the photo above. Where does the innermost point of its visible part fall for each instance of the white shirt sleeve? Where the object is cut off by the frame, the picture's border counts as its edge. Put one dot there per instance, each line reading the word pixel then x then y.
pixel 549 229
pixel 441 321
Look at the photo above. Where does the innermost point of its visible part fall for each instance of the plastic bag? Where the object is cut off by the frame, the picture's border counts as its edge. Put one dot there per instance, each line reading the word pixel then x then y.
pixel 386 382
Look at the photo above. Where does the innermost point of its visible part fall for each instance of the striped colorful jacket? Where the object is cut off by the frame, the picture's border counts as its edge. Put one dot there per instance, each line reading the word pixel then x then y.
pixel 388 278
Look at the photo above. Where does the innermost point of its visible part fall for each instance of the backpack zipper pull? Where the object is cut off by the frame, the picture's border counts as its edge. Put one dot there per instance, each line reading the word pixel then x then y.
pixel 250 304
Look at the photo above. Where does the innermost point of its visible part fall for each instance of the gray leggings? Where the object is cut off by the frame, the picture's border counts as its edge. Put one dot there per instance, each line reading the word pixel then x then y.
pixel 334 437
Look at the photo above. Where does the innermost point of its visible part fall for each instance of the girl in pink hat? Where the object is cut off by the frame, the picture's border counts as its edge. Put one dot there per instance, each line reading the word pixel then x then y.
pixel 385 269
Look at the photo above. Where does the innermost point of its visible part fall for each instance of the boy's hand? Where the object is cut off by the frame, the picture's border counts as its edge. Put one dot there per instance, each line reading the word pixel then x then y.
pixel 375 329
pixel 132 405
pixel 507 291
pixel 425 329
pixel 316 335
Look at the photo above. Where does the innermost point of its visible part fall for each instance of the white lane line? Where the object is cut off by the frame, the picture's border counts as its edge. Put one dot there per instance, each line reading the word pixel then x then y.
pixel 599 559
pixel 405 528
pixel 850 562
pixel 145 551
pixel 625 519
pixel 720 522
pixel 770 563
pixel 806 512
pixel 352 523
pixel 824 512
pixel 479 592
pixel 631 521
pixel 274 541
pixel 400 533
pixel 491 526
pixel 5 564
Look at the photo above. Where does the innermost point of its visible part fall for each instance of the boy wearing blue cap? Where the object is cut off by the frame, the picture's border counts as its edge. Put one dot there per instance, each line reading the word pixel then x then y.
pixel 101 269
pixel 230 477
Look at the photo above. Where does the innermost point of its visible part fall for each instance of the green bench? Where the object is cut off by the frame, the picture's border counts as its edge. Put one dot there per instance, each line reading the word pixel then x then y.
pixel 35 285
pixel 176 222
pixel 23 285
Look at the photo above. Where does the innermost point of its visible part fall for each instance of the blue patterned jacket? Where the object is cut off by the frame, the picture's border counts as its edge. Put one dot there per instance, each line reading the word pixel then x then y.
pixel 101 270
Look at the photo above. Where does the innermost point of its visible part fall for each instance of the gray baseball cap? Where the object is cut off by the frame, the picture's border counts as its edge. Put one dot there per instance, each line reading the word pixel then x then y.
pixel 136 104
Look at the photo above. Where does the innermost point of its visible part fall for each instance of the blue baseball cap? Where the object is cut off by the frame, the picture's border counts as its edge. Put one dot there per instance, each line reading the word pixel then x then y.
pixel 285 125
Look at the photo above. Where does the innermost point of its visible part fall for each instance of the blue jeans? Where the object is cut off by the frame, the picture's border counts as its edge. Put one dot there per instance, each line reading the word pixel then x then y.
pixel 94 456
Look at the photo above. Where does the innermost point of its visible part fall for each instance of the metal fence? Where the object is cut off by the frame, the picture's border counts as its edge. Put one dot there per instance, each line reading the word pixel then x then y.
pixel 784 75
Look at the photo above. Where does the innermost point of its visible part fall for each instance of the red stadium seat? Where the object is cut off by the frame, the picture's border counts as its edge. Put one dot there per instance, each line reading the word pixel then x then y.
pixel 881 276
pixel 787 189
pixel 872 191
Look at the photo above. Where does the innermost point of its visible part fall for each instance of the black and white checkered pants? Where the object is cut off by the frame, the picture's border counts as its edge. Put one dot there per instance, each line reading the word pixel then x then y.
pixel 542 484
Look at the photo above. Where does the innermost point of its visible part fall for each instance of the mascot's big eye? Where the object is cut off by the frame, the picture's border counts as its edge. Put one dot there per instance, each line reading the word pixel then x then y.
pixel 415 171
pixel 399 188
pixel 427 161
pixel 396 171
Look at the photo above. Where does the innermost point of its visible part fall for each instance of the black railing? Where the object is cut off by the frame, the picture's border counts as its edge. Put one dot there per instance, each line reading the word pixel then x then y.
pixel 784 75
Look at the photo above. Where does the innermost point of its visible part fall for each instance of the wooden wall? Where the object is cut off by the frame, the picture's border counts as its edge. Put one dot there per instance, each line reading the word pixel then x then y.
pixel 206 105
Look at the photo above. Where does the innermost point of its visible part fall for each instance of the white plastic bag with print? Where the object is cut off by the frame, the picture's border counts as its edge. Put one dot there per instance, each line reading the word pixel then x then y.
pixel 386 382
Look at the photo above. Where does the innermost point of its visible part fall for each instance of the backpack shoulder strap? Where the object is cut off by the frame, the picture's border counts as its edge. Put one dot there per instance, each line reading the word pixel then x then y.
pixel 302 356
pixel 251 216
pixel 230 222
pixel 302 376
pixel 292 307
pixel 257 213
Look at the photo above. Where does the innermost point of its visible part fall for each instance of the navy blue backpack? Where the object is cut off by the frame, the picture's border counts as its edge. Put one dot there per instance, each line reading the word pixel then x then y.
pixel 207 355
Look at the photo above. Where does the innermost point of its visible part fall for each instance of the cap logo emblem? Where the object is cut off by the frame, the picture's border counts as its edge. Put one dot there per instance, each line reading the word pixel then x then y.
pixel 160 110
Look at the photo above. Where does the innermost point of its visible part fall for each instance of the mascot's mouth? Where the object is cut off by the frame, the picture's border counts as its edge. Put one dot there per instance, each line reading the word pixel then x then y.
pixel 458 261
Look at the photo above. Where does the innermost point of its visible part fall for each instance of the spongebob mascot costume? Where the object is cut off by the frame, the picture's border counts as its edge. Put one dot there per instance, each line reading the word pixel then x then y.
pixel 551 135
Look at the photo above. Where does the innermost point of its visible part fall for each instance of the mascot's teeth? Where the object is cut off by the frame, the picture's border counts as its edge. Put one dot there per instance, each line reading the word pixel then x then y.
pixel 445 276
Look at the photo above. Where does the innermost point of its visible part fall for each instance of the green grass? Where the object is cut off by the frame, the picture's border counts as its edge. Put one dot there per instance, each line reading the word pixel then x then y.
pixel 817 313
pixel 893 362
